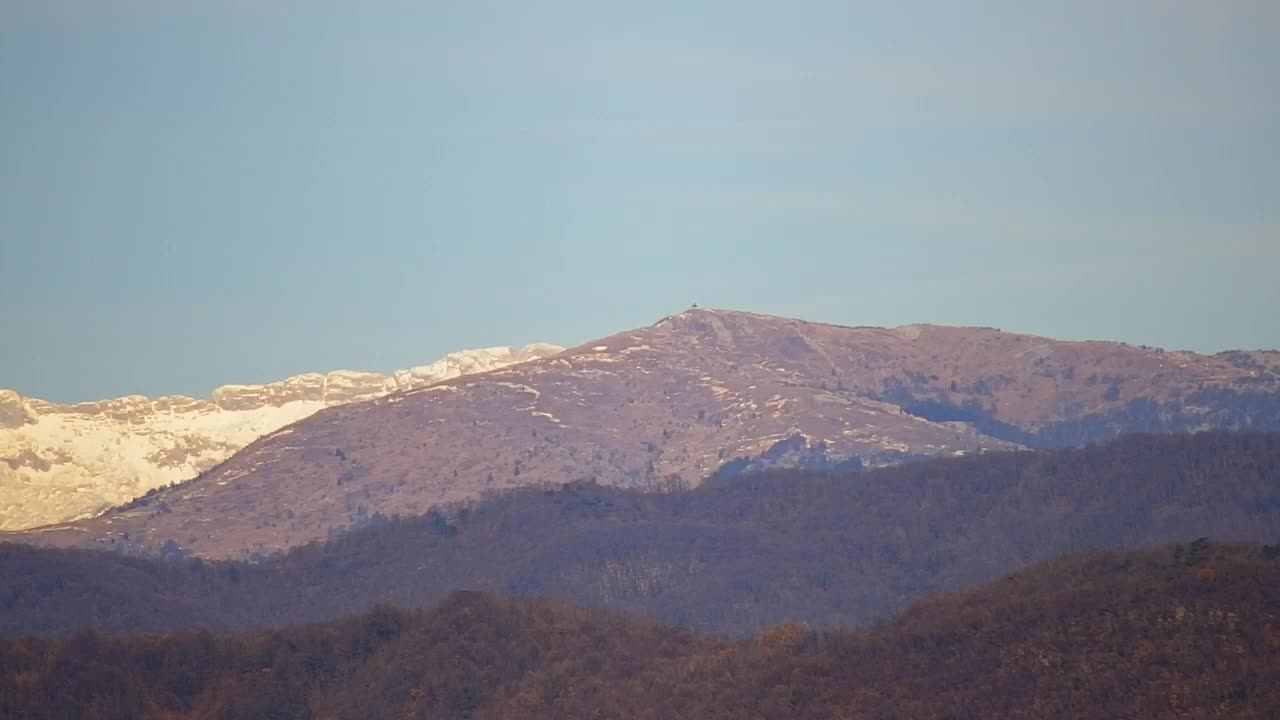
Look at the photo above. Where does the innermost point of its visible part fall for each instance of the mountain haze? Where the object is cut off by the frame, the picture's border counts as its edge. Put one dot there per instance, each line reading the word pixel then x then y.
pixel 669 404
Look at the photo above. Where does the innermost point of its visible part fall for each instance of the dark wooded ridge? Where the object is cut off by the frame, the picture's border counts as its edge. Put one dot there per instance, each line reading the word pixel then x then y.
pixel 1191 631
pixel 732 556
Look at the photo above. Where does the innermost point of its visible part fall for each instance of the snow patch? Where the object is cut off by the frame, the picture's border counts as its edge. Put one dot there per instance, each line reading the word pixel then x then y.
pixel 77 460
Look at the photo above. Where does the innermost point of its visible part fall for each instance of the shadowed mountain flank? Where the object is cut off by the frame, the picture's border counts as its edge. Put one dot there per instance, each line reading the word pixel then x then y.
pixel 733 555
pixel 1177 632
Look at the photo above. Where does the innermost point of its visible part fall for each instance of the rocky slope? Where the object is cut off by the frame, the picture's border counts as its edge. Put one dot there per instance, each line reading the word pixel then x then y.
pixel 694 393
pixel 63 462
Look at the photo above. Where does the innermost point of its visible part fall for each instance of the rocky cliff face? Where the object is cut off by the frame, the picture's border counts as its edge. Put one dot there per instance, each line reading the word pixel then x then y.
pixel 61 462
pixel 701 392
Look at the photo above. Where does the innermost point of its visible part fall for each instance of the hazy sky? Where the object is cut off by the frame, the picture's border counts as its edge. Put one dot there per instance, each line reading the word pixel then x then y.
pixel 194 193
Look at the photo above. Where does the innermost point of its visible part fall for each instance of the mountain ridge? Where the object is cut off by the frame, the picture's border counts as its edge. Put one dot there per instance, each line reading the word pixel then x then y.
pixel 834 547
pixel 675 401
pixel 63 460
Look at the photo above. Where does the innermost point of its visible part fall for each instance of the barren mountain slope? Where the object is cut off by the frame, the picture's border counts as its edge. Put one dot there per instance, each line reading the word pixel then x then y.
pixel 680 399
pixel 63 462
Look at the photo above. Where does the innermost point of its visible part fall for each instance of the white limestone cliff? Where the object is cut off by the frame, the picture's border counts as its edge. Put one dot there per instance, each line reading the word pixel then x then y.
pixel 60 462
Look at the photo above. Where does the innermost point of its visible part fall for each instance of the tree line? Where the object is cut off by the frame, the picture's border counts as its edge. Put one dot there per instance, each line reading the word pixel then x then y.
pixel 1191 631
pixel 833 548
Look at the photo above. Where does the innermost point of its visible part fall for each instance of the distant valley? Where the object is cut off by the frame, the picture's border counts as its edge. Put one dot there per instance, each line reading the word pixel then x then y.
pixel 61 462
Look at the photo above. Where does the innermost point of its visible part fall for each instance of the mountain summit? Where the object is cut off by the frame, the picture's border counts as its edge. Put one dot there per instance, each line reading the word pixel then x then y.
pixel 695 393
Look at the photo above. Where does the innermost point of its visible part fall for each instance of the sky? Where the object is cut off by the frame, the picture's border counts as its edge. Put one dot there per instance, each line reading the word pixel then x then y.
pixel 234 191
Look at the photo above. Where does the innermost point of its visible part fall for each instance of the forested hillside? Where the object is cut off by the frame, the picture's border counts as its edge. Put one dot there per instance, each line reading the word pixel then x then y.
pixel 1191 631
pixel 732 556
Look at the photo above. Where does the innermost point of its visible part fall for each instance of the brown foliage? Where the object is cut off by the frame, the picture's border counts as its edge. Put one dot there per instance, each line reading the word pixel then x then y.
pixel 1091 635
pixel 733 556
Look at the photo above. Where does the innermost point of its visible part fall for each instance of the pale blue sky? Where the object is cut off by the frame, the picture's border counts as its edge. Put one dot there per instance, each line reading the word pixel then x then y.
pixel 194 193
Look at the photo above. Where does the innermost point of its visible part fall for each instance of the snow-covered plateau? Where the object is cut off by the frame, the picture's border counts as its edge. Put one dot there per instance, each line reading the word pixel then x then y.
pixel 62 462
